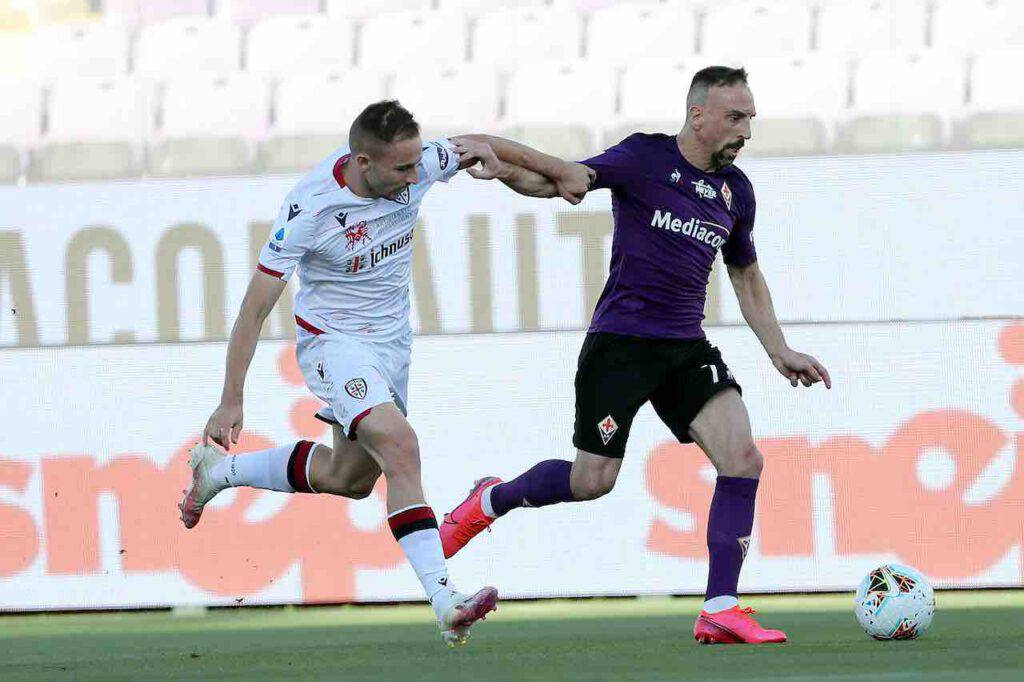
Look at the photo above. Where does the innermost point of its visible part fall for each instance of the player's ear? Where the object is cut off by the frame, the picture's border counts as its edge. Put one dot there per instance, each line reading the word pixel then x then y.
pixel 362 161
pixel 695 116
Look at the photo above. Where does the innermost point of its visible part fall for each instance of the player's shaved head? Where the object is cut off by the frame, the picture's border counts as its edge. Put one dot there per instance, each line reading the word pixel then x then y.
pixel 380 124
pixel 712 77
pixel 719 108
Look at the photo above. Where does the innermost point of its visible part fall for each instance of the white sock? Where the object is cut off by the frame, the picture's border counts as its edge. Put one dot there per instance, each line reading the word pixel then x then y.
pixel 267 469
pixel 423 550
pixel 485 502
pixel 721 603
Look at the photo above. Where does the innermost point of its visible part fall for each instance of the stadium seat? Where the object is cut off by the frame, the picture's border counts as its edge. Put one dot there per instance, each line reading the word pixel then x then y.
pixel 543 97
pixel 80 50
pixel 207 124
pixel 186 46
pixel 973 25
pixel 14 18
pixel 797 99
pixel 20 116
pixel 404 39
pixel 246 12
pixel 512 37
pixel 20 120
pixel 10 163
pixel 588 6
pixel 46 12
pixel 847 26
pixel 625 33
pixel 756 29
pixel 302 135
pixel 366 8
pixel 284 45
pixel 652 99
pixel 132 12
pixel 446 102
pixel 997 103
pixel 96 128
pixel 479 7
pixel 16 56
pixel 901 102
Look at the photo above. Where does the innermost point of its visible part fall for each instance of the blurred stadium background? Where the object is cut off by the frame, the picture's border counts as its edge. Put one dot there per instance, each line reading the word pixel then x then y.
pixel 110 88
pixel 146 145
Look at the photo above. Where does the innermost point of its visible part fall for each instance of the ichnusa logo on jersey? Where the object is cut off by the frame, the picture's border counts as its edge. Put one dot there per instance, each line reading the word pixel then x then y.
pixel 377 255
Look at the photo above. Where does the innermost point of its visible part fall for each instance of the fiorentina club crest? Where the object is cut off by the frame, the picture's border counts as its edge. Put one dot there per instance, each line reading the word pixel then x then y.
pixel 727 195
pixel 607 428
pixel 356 235
pixel 356 388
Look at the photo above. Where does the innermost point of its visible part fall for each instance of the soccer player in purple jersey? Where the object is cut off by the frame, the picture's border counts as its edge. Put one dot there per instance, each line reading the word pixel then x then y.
pixel 676 201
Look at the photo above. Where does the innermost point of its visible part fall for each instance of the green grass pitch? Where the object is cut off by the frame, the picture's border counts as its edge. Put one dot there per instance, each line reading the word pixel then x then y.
pixel 975 636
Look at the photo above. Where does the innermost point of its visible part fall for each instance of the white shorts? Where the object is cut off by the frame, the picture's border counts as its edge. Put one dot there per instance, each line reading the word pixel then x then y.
pixel 353 375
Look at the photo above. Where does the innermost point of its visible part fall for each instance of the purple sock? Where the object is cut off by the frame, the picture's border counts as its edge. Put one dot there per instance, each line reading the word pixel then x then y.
pixel 546 483
pixel 729 523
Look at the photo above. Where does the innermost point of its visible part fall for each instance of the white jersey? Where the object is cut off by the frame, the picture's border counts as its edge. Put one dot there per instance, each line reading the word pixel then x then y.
pixel 354 254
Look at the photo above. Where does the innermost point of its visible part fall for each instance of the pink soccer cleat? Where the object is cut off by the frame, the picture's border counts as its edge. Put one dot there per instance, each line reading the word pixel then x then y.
pixel 467 520
pixel 202 488
pixel 733 626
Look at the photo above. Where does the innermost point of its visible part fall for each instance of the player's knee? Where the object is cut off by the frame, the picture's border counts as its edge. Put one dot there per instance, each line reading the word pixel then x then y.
pixel 745 462
pixel 358 490
pixel 592 485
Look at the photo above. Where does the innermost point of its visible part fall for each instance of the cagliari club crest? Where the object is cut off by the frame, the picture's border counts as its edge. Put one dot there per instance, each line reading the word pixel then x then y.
pixel 356 388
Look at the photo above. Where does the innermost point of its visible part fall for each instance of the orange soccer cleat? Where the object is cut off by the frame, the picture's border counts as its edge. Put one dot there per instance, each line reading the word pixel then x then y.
pixel 467 520
pixel 733 626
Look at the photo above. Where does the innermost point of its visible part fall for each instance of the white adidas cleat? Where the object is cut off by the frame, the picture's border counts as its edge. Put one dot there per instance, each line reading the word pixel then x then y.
pixel 464 611
pixel 203 488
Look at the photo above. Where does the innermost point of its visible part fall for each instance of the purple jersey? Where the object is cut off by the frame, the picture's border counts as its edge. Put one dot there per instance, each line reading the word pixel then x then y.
pixel 670 220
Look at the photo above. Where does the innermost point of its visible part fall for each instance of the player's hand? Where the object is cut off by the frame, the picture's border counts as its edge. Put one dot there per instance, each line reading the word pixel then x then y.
pixel 224 425
pixel 801 368
pixel 487 165
pixel 574 182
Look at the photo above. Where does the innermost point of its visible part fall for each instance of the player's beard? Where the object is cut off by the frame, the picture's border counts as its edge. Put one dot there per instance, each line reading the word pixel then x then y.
pixel 721 158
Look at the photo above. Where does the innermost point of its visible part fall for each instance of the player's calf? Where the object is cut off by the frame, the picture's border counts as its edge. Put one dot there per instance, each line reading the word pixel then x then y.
pixel 349 472
pixel 549 482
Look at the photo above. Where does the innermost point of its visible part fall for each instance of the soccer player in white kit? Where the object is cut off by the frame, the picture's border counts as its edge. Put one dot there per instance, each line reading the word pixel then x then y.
pixel 347 228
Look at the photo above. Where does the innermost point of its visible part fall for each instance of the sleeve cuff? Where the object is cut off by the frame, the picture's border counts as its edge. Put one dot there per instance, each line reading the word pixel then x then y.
pixel 273 273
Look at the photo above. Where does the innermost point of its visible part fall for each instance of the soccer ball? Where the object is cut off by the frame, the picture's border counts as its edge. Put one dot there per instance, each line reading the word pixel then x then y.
pixel 895 602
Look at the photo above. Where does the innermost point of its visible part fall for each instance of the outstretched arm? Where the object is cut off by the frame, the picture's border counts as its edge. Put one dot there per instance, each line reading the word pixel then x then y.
pixel 756 304
pixel 225 424
pixel 571 180
pixel 519 179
